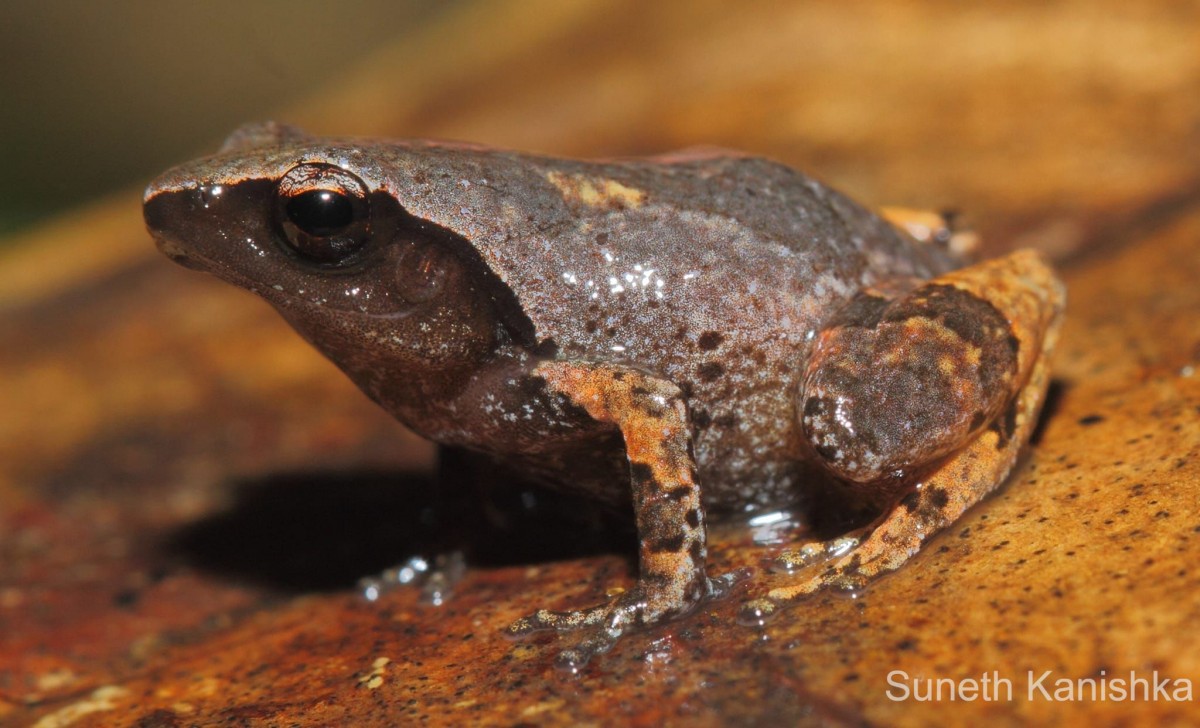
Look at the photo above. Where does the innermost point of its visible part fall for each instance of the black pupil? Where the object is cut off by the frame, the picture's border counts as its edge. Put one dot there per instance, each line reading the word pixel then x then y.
pixel 320 212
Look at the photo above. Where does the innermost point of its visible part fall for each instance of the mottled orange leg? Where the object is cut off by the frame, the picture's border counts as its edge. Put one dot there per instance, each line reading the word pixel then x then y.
pixel 1031 299
pixel 652 417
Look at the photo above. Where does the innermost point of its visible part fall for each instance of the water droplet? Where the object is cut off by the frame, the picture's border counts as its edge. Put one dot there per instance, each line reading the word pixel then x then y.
pixel 757 612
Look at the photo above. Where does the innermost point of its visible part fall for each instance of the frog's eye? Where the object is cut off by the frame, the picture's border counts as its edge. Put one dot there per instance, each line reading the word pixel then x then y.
pixel 323 213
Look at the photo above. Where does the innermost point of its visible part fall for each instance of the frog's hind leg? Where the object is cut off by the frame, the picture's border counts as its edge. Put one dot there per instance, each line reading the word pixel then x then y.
pixel 943 355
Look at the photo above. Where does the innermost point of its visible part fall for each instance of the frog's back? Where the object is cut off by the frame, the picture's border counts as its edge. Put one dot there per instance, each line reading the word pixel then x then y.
pixel 715 272
pixel 643 258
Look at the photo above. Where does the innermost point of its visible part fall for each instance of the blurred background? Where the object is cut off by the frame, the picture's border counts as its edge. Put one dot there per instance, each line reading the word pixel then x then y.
pixel 100 95
pixel 933 103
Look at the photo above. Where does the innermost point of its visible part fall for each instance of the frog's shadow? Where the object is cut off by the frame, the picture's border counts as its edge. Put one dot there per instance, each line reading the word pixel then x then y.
pixel 305 531
pixel 322 531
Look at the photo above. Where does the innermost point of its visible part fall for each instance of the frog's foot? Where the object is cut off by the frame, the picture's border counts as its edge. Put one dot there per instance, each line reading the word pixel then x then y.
pixel 604 624
pixel 792 561
pixel 973 336
pixel 436 577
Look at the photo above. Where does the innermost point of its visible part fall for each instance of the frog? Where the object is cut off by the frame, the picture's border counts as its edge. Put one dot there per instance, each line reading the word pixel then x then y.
pixel 698 334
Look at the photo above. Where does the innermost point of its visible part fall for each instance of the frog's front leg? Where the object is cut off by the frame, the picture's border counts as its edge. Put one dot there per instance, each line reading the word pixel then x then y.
pixel 931 393
pixel 651 414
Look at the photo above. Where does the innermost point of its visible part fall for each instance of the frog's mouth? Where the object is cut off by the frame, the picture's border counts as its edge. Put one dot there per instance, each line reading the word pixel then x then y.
pixel 187 258
pixel 179 255
pixel 197 235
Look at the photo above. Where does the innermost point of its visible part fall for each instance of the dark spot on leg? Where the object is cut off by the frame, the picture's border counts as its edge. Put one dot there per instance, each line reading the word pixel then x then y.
pixel 726 420
pixel 1014 344
pixel 701 419
pixel 1009 421
pixel 693 518
pixel 710 340
pixel 911 502
pixel 696 551
pixel 669 544
pixel 646 404
pixel 710 371
pixel 642 472
pixel 678 494
pixel 655 578
pixel 938 498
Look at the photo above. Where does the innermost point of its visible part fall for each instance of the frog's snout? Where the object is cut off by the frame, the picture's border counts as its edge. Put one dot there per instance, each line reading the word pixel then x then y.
pixel 166 215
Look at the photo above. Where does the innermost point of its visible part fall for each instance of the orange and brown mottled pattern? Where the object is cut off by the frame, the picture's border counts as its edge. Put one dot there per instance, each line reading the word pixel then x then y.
pixel 893 385
pixel 1026 292
pixel 652 416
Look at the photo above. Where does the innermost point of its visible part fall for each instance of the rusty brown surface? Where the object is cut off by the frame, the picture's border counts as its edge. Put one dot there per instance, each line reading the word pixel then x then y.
pixel 187 492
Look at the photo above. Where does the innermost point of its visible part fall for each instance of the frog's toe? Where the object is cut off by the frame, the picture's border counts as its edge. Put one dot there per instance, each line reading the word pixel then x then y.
pixel 602 625
pixel 545 620
pixel 843 564
pixel 793 561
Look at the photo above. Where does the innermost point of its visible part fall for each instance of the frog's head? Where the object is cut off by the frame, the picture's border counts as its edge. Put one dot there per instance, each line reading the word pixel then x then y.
pixel 311 227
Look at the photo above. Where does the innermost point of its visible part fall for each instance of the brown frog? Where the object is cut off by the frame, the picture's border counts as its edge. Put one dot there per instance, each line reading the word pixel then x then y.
pixel 698 333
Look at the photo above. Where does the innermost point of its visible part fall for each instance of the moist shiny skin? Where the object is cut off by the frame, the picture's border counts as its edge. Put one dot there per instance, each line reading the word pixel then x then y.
pixel 692 334
pixel 715 272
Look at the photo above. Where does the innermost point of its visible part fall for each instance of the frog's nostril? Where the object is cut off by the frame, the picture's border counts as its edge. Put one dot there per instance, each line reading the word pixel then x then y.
pixel 208 195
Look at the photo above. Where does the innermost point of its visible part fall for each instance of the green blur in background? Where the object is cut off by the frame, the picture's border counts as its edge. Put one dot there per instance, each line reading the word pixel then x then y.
pixel 100 96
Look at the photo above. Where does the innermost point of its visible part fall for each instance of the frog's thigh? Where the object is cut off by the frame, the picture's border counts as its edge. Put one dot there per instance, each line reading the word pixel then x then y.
pixel 895 383
pixel 1031 298
pixel 652 416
